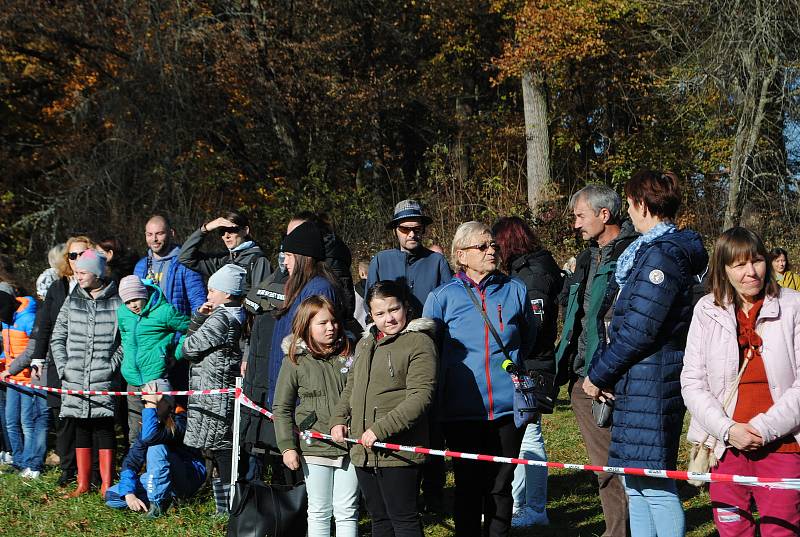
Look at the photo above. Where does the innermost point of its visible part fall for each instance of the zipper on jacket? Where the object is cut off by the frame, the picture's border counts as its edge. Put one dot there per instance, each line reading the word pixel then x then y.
pixel 488 356
pixel 374 419
pixel 500 315
pixel 391 368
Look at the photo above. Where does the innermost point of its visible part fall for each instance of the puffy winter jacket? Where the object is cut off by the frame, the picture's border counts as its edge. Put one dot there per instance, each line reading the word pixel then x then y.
pixel 212 344
pixel 252 259
pixel 711 365
pixel 17 334
pixel 421 271
pixel 86 350
pixel 642 363
pixel 390 388
pixel 183 287
pixel 472 383
pixel 318 383
pixel 148 339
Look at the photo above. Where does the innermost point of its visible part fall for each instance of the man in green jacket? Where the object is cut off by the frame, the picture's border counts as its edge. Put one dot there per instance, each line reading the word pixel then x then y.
pixel 597 217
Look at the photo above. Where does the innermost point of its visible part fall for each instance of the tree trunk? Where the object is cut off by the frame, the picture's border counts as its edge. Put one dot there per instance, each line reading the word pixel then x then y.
pixel 536 136
pixel 747 132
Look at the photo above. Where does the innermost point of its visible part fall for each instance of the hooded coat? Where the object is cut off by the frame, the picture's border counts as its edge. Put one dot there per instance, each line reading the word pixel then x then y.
pixel 149 339
pixel 86 350
pixel 643 361
pixel 390 389
pixel 212 345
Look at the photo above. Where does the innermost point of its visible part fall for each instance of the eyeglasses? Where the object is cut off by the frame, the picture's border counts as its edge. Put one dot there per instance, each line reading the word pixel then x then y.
pixel 406 230
pixel 482 247
pixel 224 230
pixel 74 255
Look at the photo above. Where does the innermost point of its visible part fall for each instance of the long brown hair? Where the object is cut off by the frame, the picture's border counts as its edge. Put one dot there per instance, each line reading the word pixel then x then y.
pixel 301 329
pixel 737 244
pixel 305 269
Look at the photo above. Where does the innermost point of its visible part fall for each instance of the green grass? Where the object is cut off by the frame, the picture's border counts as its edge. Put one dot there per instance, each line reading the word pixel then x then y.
pixel 36 508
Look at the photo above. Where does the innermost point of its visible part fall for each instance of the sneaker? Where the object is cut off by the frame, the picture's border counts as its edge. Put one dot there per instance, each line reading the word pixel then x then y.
pixel 28 473
pixel 6 458
pixel 527 516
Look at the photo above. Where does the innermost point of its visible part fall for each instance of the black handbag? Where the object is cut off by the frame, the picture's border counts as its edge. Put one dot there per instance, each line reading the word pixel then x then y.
pixel 263 510
pixel 543 383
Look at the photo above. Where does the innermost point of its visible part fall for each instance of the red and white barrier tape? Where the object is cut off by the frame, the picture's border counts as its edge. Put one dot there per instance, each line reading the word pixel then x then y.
pixel 62 391
pixel 770 482
pixel 243 399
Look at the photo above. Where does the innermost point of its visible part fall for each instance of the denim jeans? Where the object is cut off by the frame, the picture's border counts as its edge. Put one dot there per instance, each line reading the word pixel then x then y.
pixel 167 476
pixel 530 482
pixel 5 443
pixel 26 422
pixel 654 507
pixel 331 491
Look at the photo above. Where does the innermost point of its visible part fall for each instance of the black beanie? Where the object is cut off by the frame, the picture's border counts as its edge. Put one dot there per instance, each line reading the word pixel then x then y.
pixel 305 239
pixel 8 306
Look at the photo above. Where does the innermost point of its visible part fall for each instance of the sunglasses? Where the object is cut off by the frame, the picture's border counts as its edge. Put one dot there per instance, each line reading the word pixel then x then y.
pixel 224 230
pixel 74 255
pixel 405 230
pixel 482 247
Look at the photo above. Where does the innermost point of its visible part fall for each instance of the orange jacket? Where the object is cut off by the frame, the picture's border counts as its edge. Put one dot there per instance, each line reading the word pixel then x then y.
pixel 17 335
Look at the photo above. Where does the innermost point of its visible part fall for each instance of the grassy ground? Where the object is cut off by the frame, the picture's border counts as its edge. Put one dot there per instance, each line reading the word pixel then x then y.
pixel 36 509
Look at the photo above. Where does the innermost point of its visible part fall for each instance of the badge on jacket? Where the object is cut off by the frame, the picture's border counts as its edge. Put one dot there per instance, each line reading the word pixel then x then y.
pixel 656 276
pixel 537 305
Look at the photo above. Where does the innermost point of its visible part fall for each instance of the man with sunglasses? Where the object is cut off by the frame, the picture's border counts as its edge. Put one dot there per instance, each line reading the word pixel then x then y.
pixel 422 271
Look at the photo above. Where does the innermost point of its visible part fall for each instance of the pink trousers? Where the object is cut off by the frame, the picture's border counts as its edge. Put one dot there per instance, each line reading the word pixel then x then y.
pixel 779 510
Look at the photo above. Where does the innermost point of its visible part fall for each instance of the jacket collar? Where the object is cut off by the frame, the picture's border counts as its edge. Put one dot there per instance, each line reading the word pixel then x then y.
pixel 423 325
pixel 726 316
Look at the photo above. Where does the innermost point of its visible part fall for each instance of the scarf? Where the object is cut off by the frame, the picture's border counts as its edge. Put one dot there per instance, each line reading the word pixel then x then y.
pixel 626 259
pixel 747 335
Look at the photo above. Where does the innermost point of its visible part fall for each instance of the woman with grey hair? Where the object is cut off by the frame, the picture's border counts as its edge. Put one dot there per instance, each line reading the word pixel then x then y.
pixel 475 392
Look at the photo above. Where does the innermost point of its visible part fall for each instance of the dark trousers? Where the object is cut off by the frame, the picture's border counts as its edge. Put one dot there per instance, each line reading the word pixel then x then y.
pixel 134 414
pixel 65 443
pixel 597 441
pixel 391 497
pixel 95 433
pixel 434 470
pixel 483 487
pixel 223 459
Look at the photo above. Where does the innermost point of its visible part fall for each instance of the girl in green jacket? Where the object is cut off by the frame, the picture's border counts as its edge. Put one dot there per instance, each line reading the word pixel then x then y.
pixel 315 367
pixel 388 394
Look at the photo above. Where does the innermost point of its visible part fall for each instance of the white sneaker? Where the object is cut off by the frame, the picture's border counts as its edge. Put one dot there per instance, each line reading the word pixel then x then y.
pixel 527 516
pixel 6 458
pixel 27 473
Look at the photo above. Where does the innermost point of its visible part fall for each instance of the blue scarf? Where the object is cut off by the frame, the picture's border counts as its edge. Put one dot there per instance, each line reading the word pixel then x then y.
pixel 626 259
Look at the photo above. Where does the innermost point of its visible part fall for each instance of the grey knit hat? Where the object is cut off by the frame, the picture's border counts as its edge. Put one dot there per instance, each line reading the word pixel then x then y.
pixel 229 279
pixel 93 261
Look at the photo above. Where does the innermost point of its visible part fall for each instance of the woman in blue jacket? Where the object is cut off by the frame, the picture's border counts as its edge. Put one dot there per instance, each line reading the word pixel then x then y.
pixel 475 393
pixel 640 367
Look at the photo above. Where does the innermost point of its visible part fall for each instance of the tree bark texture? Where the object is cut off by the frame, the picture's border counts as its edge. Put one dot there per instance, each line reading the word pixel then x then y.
pixel 537 138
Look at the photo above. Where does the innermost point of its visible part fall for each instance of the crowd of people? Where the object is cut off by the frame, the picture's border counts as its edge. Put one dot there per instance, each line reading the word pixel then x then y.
pixel 421 350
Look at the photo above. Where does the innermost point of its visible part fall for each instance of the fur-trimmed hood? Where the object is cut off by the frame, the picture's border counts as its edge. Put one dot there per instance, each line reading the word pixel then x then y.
pixel 301 346
pixel 423 324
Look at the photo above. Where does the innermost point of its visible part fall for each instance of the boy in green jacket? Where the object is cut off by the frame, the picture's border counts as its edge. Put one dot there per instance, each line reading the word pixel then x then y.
pixel 150 328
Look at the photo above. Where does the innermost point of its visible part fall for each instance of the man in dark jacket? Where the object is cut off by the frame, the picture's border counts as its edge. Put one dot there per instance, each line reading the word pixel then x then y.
pixel 597 217
pixel 420 269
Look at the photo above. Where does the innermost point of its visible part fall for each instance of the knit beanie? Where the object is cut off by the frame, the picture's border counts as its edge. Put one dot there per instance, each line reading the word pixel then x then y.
pixel 8 306
pixel 92 261
pixel 229 279
pixel 305 239
pixel 6 287
pixel 131 287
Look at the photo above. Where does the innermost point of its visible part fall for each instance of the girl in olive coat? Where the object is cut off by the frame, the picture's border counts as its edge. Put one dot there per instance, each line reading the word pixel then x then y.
pixel 315 369
pixel 388 394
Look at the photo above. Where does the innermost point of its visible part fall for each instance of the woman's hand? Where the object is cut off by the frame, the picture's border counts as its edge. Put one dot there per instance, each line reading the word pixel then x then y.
pixel 152 399
pixel 590 389
pixel 744 437
pixel 206 308
pixel 339 432
pixel 368 438
pixel 134 503
pixel 291 459
pixel 217 223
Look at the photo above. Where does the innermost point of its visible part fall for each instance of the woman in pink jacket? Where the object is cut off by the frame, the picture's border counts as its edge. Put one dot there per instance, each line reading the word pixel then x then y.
pixel 747 318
